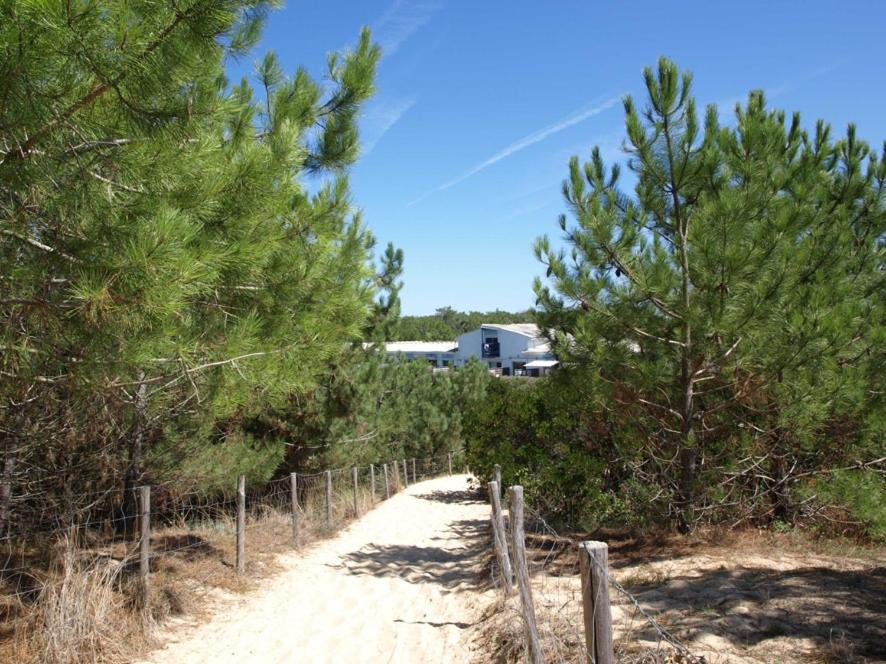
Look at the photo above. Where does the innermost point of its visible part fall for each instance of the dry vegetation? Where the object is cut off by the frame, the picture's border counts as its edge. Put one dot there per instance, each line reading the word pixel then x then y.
pixel 748 596
pixel 66 601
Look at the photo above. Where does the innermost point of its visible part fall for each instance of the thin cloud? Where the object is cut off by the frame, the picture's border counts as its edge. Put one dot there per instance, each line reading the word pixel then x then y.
pixel 379 119
pixel 773 92
pixel 522 144
pixel 526 209
pixel 400 22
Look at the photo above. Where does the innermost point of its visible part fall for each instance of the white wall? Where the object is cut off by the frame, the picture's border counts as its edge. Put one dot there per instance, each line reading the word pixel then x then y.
pixel 469 345
pixel 511 344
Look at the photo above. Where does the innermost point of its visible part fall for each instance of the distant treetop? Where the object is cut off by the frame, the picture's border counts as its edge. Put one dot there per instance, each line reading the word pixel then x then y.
pixel 447 323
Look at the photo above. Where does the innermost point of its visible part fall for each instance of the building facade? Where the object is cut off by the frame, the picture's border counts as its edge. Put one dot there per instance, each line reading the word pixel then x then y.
pixel 507 350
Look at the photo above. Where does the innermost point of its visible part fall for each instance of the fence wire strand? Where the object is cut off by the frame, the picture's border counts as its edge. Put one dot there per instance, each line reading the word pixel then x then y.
pixel 552 558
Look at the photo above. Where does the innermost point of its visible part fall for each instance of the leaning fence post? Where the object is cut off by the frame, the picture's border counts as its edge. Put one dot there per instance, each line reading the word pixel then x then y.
pixel 356 490
pixel 449 459
pixel 499 539
pixel 372 484
pixel 387 483
pixel 328 476
pixel 293 488
pixel 594 565
pixel 144 549
pixel 518 541
pixel 241 523
pixel 405 475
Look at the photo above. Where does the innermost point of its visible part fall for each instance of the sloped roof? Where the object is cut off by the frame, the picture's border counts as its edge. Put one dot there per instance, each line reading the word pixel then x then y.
pixel 421 347
pixel 526 329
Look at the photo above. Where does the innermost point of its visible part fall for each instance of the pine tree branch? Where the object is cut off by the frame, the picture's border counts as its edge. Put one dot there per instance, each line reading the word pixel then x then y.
pixel 39 245
pixel 23 150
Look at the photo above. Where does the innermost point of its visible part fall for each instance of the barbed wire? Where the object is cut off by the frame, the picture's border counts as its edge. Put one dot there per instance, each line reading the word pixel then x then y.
pixel 95 530
pixel 559 603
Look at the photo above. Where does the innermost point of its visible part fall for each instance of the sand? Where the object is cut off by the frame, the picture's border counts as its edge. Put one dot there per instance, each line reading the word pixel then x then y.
pixel 398 585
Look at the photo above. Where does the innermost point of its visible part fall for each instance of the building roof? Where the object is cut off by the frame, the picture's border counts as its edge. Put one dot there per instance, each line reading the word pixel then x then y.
pixel 421 347
pixel 541 348
pixel 540 364
pixel 526 329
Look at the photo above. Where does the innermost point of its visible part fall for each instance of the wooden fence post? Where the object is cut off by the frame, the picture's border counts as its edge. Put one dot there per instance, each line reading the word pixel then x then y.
pixel 356 490
pixel 414 474
pixel 405 475
pixel 496 472
pixel 144 549
pixel 372 483
pixel 241 523
pixel 518 541
pixel 396 477
pixel 499 539
pixel 449 459
pixel 293 488
pixel 594 564
pixel 387 483
pixel 328 475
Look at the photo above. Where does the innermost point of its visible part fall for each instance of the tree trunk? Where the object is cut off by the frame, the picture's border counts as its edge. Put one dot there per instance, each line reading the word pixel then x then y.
pixel 10 457
pixel 127 524
pixel 6 493
pixel 779 499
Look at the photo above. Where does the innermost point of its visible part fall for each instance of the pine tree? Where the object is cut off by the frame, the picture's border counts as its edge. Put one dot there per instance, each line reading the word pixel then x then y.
pixel 732 301
pixel 164 264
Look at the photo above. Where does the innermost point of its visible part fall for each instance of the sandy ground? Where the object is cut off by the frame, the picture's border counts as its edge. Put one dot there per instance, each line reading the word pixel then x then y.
pixel 745 601
pixel 398 585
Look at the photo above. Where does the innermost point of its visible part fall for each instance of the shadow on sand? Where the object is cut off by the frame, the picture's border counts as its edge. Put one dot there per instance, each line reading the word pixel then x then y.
pixel 450 567
pixel 844 611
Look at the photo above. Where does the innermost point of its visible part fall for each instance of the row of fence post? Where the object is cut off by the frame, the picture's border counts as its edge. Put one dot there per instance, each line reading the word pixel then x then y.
pixel 144 494
pixel 594 561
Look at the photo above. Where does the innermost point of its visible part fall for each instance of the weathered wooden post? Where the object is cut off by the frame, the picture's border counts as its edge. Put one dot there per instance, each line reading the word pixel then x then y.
pixel 499 538
pixel 241 523
pixel 387 483
pixel 396 478
pixel 372 483
pixel 449 459
pixel 293 489
pixel 356 491
pixel 496 472
pixel 144 548
pixel 518 542
pixel 405 475
pixel 594 565
pixel 328 475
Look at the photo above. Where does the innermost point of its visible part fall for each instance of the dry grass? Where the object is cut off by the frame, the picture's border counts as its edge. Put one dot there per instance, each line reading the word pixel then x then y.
pixel 84 604
pixel 82 614
pixel 746 596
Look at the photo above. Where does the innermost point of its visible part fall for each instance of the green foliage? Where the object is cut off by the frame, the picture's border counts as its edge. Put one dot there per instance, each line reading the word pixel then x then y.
pixel 728 312
pixel 447 324
pixel 370 408
pixel 861 494
pixel 162 256
pixel 544 437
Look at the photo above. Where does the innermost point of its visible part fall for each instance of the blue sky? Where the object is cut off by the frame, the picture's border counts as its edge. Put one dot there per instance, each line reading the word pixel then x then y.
pixel 481 104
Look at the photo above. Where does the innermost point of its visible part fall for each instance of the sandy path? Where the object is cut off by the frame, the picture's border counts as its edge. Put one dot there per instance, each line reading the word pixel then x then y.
pixel 396 586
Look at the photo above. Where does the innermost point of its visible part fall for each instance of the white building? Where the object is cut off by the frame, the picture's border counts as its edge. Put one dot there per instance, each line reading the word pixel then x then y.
pixel 437 353
pixel 508 350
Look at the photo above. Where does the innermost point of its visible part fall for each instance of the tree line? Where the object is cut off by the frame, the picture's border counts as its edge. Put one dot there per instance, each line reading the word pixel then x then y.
pixel 445 324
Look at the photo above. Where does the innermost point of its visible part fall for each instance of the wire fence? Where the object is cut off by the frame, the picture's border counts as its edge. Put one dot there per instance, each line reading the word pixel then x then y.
pixel 200 530
pixel 566 603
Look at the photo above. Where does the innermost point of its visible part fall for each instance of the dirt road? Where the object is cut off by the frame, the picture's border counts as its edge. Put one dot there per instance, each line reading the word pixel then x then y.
pixel 399 585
